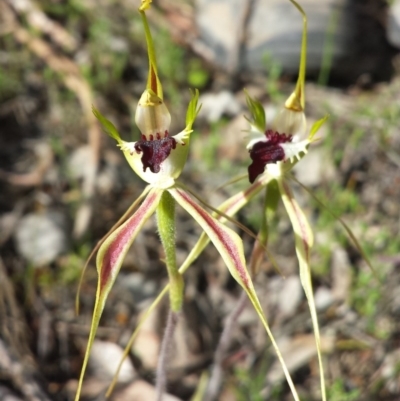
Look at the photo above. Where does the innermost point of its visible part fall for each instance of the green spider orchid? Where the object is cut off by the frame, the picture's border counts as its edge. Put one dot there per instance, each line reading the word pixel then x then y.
pixel 158 159
pixel 273 152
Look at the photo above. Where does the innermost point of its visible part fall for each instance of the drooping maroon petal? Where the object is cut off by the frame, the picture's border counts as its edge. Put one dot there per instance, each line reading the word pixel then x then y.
pixel 112 252
pixel 109 260
pixel 265 152
pixel 155 151
pixel 227 242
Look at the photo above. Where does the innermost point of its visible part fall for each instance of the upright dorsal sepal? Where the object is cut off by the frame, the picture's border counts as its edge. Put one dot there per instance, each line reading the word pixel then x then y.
pixel 153 82
pixel 296 101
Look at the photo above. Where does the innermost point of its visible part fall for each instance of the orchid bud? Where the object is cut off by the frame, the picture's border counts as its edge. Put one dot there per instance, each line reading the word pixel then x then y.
pixel 290 122
pixel 152 116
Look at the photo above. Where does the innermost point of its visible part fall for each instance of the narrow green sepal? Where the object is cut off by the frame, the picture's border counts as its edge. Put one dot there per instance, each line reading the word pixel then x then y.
pixel 296 100
pixel 316 126
pixel 257 113
pixel 193 109
pixel 153 81
pixel 107 125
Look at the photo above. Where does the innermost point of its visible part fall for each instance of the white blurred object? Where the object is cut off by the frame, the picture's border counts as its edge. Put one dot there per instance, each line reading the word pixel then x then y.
pixel 104 360
pixel 41 237
pixel 214 105
pixel 274 29
pixel 140 391
pixel 393 26
pixel 290 295
pixel 323 298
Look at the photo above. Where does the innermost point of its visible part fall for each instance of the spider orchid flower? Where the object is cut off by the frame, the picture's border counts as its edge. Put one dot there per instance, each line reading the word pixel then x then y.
pixel 158 158
pixel 273 153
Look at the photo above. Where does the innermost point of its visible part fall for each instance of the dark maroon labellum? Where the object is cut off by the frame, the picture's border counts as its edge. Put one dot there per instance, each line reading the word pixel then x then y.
pixel 155 151
pixel 265 152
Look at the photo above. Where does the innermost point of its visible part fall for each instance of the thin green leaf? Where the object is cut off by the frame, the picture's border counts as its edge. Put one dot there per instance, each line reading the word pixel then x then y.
pixel 232 181
pixel 201 387
pixel 192 110
pixel 257 113
pixel 109 260
pixel 107 125
pixel 304 241
pixel 316 126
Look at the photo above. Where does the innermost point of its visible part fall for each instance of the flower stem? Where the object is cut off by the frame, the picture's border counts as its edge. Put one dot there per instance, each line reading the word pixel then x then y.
pixel 161 377
pixel 271 200
pixel 223 344
pixel 166 229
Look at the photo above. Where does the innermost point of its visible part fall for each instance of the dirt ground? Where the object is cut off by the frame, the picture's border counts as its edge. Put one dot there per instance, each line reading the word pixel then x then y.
pixel 64 184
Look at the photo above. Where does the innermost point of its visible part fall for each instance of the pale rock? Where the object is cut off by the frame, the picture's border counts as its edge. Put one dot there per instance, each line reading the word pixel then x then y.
pixel 78 161
pixel 316 167
pixel 215 105
pixel 104 359
pixel 323 298
pixel 41 237
pixel 274 29
pixel 140 391
pixel 147 343
pixel 341 274
pixel 6 395
pixel 393 24
pixel 290 295
pixel 140 288
pixel 297 352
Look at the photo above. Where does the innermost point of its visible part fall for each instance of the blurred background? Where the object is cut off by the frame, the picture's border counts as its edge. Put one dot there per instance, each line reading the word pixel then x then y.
pixel 64 183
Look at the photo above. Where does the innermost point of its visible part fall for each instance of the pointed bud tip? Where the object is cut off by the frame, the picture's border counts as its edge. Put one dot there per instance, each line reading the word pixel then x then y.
pixel 145 5
pixel 294 102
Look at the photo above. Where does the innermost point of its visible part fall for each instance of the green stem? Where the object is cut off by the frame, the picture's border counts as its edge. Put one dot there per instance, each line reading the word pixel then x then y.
pixel 153 82
pixel 271 204
pixel 296 101
pixel 271 200
pixel 166 229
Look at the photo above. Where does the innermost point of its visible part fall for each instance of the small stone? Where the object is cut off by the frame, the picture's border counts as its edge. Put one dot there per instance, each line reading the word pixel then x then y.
pixel 140 391
pixel 341 274
pixel 323 298
pixel 215 105
pixel 290 295
pixel 393 23
pixel 104 359
pixel 41 237
pixel 315 168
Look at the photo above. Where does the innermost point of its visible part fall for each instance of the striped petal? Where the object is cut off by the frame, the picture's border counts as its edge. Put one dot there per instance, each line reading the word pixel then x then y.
pixel 230 247
pixel 229 208
pixel 227 242
pixel 109 260
pixel 304 240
